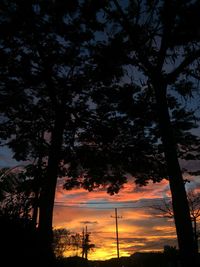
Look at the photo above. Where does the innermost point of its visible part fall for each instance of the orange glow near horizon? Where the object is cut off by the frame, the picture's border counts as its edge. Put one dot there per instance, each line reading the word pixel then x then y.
pixel 139 227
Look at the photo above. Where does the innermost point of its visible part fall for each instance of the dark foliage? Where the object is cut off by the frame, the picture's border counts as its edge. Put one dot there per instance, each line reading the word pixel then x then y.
pixel 19 242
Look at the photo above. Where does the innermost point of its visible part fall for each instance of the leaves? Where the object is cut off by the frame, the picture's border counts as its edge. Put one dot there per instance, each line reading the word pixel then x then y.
pixel 111 124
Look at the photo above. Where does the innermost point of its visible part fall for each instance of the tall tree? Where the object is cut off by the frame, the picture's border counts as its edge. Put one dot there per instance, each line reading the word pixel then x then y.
pixel 166 50
pixel 163 51
pixel 44 88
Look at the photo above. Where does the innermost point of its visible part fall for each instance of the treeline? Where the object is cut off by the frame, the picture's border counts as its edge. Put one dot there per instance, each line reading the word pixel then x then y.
pixel 169 257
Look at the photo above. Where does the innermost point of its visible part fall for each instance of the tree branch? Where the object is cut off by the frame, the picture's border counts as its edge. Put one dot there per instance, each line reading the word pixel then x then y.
pixel 171 77
pixel 124 22
pixel 167 24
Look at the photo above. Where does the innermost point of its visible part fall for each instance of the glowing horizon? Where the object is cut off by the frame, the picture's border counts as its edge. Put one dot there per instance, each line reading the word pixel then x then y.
pixel 140 229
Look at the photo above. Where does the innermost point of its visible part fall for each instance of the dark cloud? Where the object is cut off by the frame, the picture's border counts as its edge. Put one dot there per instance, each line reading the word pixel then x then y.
pixel 88 222
pixel 150 223
pixel 130 240
pixel 145 244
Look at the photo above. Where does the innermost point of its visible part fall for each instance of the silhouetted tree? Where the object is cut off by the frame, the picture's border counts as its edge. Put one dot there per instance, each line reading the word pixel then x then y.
pixel 17 228
pixel 165 209
pixel 44 88
pixel 61 241
pixel 171 254
pixel 16 193
pixel 164 51
pixel 86 244
pixel 76 243
pixel 194 205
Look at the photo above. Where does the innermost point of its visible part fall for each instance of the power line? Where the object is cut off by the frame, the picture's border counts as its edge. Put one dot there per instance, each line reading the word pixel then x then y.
pixel 99 208
pixel 99 202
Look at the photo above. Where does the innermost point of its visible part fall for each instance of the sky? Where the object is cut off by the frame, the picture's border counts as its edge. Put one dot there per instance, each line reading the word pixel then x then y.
pixel 6 159
pixel 140 226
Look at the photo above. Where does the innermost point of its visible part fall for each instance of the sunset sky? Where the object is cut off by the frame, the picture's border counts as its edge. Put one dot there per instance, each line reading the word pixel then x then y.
pixel 140 229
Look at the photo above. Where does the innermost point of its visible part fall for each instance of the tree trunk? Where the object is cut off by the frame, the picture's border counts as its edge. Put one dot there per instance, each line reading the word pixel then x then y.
pixel 196 235
pixel 35 209
pixel 181 211
pixel 49 188
pixel 37 182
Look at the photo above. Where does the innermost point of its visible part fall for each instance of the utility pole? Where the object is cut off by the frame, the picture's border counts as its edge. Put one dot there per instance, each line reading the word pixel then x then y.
pixel 117 233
